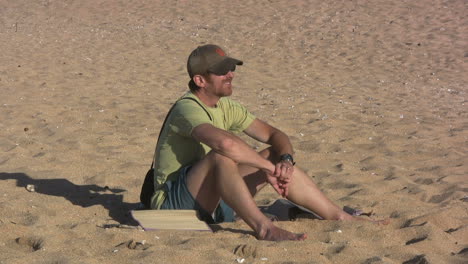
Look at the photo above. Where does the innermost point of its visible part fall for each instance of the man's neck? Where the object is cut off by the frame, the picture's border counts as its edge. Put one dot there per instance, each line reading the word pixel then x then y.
pixel 208 100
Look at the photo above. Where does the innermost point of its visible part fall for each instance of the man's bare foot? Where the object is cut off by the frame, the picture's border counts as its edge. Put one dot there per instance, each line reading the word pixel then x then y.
pixel 274 233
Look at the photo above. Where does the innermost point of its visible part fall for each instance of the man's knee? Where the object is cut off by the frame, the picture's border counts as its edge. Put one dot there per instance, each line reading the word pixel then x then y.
pixel 268 154
pixel 219 159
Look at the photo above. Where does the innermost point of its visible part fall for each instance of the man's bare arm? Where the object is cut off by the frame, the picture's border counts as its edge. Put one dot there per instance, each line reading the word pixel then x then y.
pixel 231 146
pixel 268 134
pixel 280 145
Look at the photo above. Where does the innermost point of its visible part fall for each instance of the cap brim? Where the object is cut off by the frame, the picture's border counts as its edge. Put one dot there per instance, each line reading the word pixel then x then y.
pixel 225 65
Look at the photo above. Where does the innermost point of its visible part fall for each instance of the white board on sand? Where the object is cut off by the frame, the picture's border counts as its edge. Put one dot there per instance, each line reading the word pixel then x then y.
pixel 169 220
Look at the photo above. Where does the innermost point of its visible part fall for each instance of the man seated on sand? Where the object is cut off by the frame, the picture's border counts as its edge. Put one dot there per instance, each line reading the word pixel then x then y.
pixel 201 164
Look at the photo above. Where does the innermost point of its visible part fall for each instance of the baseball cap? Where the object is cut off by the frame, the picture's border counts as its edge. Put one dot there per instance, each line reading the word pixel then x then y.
pixel 210 59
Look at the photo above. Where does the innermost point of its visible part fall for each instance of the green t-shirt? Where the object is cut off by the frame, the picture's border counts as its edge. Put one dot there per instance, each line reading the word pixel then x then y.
pixel 177 148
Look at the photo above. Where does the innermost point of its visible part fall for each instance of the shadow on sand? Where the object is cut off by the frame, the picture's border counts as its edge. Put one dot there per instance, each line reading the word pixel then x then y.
pixel 81 195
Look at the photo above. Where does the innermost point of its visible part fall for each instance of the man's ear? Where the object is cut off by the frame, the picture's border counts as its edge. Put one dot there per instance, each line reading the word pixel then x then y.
pixel 199 80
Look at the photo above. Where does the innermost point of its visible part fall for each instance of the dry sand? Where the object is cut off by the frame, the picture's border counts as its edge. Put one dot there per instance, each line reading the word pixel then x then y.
pixel 372 93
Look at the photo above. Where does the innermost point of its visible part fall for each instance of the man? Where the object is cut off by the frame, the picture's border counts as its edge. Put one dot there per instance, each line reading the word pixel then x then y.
pixel 201 164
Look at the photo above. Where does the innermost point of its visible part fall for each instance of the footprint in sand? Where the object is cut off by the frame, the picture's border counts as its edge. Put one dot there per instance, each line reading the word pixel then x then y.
pixel 337 168
pixel 333 250
pixel 425 181
pixel 419 259
pixel 409 223
pixel 134 245
pixel 416 240
pixel 451 230
pixel 246 251
pixel 440 197
pixel 373 260
pixel 31 243
pixel 28 219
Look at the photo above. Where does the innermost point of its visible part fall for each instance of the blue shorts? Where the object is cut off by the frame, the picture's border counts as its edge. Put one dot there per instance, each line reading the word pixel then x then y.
pixel 180 198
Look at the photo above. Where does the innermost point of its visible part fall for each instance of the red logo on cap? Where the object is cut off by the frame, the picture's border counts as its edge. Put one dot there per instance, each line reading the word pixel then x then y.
pixel 220 52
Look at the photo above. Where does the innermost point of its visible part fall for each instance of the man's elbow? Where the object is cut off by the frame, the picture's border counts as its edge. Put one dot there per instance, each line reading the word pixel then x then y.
pixel 230 148
pixel 226 145
pixel 275 135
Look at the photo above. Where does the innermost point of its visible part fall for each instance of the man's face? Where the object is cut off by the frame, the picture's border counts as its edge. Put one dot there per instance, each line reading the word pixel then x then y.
pixel 220 85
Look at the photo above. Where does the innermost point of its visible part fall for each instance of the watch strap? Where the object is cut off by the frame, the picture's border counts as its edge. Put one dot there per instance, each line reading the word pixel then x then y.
pixel 287 157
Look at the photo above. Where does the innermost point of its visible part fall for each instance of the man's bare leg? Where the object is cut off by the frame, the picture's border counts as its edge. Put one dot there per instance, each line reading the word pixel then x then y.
pixel 303 191
pixel 216 177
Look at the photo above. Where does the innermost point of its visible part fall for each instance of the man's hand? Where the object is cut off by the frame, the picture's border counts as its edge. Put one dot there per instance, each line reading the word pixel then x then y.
pixel 281 177
pixel 277 185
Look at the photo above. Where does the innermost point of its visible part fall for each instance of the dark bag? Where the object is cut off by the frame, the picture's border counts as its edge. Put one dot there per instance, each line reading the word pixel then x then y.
pixel 147 190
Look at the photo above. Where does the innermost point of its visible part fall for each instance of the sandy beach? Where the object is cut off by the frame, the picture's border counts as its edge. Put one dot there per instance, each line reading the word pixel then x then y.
pixel 372 94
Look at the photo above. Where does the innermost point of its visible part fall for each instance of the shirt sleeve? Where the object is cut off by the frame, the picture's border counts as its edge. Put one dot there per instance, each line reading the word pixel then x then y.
pixel 186 116
pixel 239 117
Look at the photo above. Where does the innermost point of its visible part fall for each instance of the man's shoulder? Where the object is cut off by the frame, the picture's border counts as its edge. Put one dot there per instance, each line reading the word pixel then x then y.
pixel 188 100
pixel 229 104
pixel 190 105
pixel 187 95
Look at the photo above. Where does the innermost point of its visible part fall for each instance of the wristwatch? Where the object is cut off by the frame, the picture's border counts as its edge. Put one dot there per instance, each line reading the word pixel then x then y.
pixel 287 157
